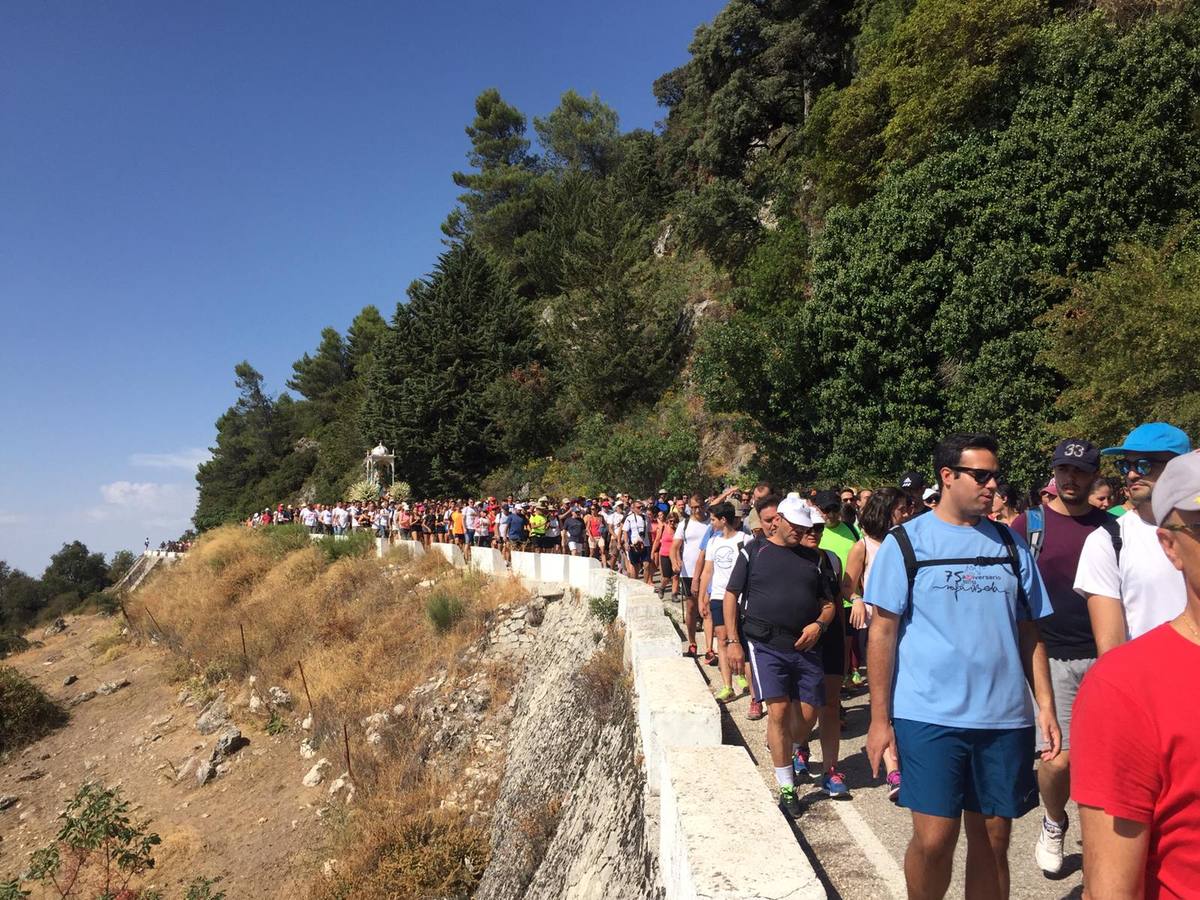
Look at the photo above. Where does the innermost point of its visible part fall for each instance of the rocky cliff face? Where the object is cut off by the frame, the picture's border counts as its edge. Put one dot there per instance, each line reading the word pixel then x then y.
pixel 569 821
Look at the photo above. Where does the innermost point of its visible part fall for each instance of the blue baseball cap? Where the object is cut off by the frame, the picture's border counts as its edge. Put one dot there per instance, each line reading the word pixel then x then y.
pixel 1153 437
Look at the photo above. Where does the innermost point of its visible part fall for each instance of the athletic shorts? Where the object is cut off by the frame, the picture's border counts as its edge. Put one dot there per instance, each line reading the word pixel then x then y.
pixel 716 609
pixel 685 586
pixel 982 770
pixel 595 542
pixel 787 674
pixel 833 647
pixel 546 542
pixel 665 567
pixel 575 546
pixel 638 555
pixel 1066 675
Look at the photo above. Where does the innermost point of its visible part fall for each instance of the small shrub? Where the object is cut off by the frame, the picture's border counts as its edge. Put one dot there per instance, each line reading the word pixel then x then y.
pixel 201 888
pixel 605 608
pixel 98 850
pixel 26 714
pixel 357 543
pixel 12 643
pixel 411 857
pixel 444 610
pixel 110 646
pixel 601 681
pixel 98 842
pixel 276 724
pixel 215 672
pixel 284 539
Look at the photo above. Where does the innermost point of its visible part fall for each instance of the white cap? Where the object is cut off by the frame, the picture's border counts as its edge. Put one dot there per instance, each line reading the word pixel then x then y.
pixel 1178 487
pixel 818 518
pixel 930 492
pixel 796 511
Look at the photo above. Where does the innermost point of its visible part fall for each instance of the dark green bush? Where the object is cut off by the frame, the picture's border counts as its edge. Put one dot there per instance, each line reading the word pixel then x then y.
pixel 12 643
pixel 444 610
pixel 26 713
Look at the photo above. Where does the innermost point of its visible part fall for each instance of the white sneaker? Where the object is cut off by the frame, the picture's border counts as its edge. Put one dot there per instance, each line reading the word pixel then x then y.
pixel 1049 850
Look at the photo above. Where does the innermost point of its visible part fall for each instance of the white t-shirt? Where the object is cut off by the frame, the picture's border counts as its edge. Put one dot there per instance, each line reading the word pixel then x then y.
pixel 308 516
pixel 690 531
pixel 341 516
pixel 469 516
pixel 614 520
pixel 636 528
pixel 1150 588
pixel 722 552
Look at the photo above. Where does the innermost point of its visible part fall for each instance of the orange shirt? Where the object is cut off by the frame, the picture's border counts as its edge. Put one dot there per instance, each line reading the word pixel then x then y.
pixel 456 522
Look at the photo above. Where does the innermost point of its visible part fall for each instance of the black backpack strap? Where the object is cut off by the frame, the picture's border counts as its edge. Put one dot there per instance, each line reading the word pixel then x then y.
pixel 1015 561
pixel 910 562
pixel 1112 525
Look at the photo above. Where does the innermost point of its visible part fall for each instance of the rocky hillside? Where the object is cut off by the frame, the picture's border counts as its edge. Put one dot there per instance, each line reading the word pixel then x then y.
pixel 499 760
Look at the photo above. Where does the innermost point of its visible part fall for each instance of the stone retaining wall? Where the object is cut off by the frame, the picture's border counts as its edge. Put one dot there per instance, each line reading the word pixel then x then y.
pixel 720 836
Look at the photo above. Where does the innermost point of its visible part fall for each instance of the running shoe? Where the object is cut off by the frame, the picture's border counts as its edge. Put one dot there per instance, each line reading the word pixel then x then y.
pixel 711 658
pixel 835 785
pixel 893 783
pixel 725 694
pixel 690 651
pixel 1049 850
pixel 800 763
pixel 788 802
pixel 858 679
pixel 756 711
pixel 741 684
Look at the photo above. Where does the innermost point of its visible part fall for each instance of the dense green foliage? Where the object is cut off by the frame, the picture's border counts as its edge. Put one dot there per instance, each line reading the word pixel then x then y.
pixel 860 226
pixel 73 575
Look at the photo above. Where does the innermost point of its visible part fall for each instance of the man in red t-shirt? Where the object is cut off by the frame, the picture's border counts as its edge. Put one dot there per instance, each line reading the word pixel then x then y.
pixel 1135 770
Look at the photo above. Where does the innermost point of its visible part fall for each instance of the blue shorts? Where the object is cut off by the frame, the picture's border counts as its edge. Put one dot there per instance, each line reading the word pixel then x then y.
pixel 716 609
pixel 786 674
pixel 983 770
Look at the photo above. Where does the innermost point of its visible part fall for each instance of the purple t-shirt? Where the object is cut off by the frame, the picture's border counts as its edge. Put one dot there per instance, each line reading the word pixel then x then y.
pixel 1068 630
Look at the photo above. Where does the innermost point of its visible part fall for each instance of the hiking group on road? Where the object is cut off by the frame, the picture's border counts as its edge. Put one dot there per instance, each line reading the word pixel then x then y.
pixel 1016 657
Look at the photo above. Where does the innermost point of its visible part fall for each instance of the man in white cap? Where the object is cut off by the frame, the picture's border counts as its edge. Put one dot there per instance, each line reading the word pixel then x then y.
pixel 1136 771
pixel 1128 582
pixel 786 607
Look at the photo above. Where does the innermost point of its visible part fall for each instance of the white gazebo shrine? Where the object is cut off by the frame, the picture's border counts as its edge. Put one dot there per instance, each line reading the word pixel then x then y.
pixel 378 459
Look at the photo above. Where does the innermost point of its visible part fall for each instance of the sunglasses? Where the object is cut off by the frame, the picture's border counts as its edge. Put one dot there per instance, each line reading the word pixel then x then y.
pixel 1193 527
pixel 981 476
pixel 1142 466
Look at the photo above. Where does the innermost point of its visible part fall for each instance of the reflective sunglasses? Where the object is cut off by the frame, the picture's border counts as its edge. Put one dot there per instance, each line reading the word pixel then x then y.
pixel 981 476
pixel 1142 466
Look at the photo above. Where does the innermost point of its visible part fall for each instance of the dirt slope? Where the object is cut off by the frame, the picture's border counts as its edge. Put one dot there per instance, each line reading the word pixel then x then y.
pixel 256 826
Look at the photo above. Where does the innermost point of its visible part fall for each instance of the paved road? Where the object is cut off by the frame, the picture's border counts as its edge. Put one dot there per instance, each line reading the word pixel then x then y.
pixel 857 845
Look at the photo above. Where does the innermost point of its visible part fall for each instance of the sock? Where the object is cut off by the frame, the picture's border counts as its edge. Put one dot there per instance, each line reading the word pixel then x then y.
pixel 785 777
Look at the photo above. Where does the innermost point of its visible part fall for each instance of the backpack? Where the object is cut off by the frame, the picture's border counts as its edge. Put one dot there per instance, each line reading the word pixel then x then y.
pixel 912 565
pixel 1035 527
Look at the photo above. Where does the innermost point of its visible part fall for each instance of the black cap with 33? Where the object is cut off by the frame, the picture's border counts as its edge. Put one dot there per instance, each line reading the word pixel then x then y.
pixel 1078 453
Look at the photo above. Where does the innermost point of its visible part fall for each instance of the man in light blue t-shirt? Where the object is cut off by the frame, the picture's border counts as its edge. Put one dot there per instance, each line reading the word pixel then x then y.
pixel 956 599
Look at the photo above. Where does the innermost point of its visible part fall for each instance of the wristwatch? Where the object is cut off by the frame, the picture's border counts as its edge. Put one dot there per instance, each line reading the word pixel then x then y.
pixel 729 641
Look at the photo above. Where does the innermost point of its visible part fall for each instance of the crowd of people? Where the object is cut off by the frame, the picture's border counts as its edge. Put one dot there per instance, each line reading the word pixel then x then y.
pixel 991 628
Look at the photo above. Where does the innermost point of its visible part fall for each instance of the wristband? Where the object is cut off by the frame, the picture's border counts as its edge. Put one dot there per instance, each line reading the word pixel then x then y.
pixel 822 625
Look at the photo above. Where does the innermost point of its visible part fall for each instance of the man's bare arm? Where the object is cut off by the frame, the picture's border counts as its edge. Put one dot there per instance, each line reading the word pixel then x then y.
pixel 1114 855
pixel 1108 622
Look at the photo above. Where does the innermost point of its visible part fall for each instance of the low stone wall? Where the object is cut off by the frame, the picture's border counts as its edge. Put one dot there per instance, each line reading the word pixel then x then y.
pixel 721 836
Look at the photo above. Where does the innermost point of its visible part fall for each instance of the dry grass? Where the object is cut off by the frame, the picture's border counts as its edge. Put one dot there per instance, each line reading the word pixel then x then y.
pixel 602 681
pixel 365 636
pixel 111 645
pixel 364 639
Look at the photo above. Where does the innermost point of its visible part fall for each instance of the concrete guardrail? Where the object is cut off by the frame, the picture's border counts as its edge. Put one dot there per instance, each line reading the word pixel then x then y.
pixel 705 850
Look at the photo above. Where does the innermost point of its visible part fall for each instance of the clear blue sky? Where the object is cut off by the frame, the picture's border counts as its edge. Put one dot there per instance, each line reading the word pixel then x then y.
pixel 186 185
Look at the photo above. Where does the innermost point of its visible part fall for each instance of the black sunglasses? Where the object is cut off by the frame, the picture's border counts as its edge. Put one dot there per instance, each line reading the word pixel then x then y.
pixel 981 476
pixel 1142 466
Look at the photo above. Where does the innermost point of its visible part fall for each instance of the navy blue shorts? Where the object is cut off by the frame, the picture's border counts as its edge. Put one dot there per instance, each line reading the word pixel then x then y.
pixel 716 609
pixel 983 770
pixel 786 674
